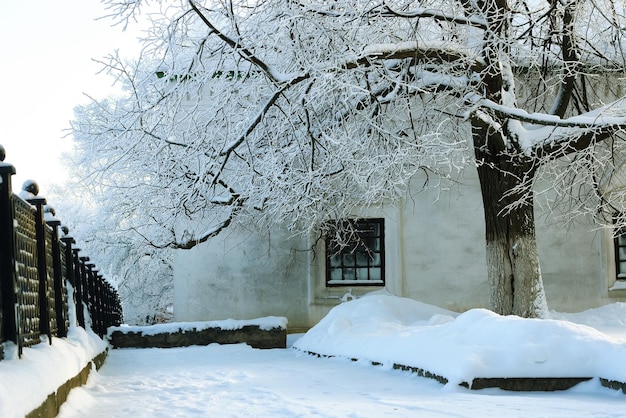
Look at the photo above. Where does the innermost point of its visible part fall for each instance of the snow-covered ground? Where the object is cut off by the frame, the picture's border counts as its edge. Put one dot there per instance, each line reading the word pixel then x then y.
pixel 236 380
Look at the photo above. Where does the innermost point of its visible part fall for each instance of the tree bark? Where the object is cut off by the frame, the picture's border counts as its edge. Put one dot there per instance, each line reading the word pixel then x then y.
pixel 514 275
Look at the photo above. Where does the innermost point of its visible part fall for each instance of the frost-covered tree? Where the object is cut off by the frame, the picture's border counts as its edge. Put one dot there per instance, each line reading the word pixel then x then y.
pixel 300 111
pixel 141 273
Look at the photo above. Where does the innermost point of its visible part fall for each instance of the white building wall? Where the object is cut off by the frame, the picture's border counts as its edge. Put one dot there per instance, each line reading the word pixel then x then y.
pixel 444 247
pixel 242 275
pixel 574 273
pixel 435 252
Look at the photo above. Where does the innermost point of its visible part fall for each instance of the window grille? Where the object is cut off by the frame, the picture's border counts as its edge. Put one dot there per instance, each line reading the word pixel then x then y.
pixel 620 255
pixel 355 253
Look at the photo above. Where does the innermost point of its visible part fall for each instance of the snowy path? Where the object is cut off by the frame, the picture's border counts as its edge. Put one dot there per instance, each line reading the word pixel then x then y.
pixel 238 381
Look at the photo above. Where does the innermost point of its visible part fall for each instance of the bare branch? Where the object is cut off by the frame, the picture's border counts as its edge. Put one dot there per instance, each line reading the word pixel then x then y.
pixel 437 14
pixel 236 45
pixel 571 61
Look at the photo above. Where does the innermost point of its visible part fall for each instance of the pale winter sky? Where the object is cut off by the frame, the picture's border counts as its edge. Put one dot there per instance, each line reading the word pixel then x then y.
pixel 47 64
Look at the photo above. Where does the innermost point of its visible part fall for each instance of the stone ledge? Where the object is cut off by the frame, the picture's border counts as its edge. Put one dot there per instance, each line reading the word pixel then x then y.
pixel 50 407
pixel 613 384
pixel 420 372
pixel 517 384
pixel 525 384
pixel 252 335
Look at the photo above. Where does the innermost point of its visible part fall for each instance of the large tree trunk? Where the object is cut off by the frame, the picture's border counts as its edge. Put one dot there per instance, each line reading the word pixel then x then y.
pixel 513 273
pixel 514 276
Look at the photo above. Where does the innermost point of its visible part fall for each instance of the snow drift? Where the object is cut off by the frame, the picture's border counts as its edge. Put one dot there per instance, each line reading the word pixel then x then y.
pixel 461 347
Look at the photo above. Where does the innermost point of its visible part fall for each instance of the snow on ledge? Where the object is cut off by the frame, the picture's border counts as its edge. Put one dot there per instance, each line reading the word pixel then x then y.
pixel 266 323
pixel 619 285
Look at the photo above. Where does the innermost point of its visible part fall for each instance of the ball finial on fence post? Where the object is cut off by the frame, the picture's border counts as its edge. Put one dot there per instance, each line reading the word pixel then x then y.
pixel 31 187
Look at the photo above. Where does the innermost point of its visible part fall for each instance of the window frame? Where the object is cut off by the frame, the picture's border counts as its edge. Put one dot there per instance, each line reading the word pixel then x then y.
pixel 350 248
pixel 620 276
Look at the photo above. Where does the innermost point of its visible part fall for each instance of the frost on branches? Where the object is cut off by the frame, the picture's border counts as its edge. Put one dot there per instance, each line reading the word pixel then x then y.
pixel 298 112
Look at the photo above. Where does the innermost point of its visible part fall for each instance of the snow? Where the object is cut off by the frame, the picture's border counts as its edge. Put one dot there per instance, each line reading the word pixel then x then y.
pixel 265 323
pixel 619 284
pixel 474 344
pixel 422 47
pixel 237 380
pixel 611 114
pixel 26 383
pixel 533 129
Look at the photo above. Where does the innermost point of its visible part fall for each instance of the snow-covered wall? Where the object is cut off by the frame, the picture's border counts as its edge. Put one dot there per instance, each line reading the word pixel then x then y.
pixel 243 275
pixel 443 246
pixel 435 253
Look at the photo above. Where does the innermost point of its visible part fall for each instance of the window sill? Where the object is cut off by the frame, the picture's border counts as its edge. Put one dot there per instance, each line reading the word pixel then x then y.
pixel 618 290
pixel 340 283
pixel 327 301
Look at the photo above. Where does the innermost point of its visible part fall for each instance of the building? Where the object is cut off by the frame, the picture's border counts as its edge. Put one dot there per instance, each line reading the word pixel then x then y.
pixel 430 248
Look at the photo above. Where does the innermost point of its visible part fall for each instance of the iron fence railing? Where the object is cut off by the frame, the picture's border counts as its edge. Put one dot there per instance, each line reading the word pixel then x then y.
pixel 37 268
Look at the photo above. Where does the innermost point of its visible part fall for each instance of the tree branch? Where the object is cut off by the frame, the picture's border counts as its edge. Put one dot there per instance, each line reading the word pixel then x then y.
pixel 210 233
pixel 235 45
pixel 440 52
pixel 571 58
pixel 437 15
pixel 596 119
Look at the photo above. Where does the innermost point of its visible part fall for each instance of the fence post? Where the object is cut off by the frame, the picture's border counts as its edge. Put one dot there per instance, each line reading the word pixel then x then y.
pixel 91 295
pixel 80 281
pixel 70 271
pixel 119 313
pixel 8 298
pixel 58 278
pixel 107 298
pixel 42 270
pixel 98 299
pixel 93 298
pixel 85 291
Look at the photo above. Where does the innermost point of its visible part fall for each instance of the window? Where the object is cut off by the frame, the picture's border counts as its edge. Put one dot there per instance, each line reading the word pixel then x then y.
pixel 355 253
pixel 620 255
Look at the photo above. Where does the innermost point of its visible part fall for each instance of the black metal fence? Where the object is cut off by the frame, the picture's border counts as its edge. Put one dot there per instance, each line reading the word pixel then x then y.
pixel 37 265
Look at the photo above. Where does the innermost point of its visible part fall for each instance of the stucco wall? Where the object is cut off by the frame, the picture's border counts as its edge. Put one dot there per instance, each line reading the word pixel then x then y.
pixel 242 275
pixel 444 247
pixel 571 266
pixel 435 252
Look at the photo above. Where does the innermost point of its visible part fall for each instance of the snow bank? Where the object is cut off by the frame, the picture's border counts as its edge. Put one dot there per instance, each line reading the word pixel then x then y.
pixel 461 347
pixel 610 319
pixel 42 369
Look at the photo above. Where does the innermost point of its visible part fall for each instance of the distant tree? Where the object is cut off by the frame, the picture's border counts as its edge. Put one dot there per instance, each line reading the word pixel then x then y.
pixel 300 111
pixel 141 273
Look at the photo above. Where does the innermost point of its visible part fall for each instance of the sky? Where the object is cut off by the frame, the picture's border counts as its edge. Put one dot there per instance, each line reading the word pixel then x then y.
pixel 48 48
pixel 237 380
